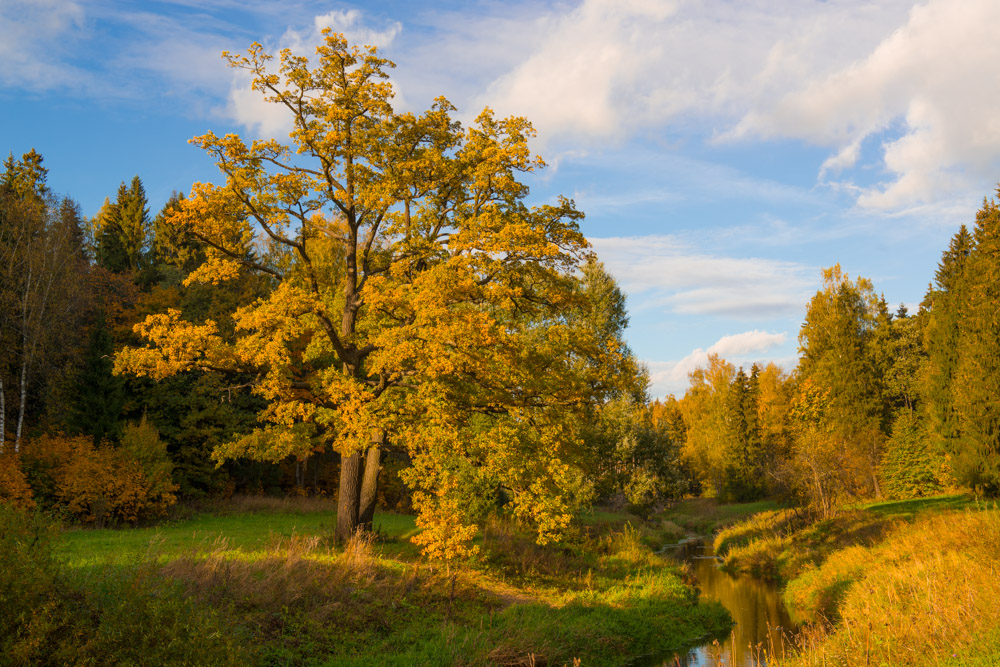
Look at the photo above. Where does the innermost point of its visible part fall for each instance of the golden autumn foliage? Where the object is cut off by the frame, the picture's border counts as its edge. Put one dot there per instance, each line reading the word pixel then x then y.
pixel 102 484
pixel 14 489
pixel 417 301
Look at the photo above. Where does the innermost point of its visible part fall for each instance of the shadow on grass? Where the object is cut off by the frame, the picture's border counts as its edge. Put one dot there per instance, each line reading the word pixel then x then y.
pixel 913 507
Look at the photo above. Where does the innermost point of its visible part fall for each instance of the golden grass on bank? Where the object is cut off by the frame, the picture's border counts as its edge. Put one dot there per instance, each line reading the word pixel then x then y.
pixel 927 592
pixel 298 571
pixel 784 546
pixel 765 524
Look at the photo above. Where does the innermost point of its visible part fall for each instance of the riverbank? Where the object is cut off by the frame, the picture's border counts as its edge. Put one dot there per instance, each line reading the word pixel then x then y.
pixel 265 586
pixel 900 583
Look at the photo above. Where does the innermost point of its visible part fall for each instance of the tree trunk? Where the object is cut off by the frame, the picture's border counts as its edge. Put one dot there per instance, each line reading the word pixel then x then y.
pixel 349 495
pixel 3 415
pixel 878 488
pixel 24 364
pixel 24 398
pixel 369 485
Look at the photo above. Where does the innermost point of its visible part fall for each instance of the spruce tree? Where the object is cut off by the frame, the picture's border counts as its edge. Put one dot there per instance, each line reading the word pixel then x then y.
pixel 976 391
pixel 99 395
pixel 944 307
pixel 124 237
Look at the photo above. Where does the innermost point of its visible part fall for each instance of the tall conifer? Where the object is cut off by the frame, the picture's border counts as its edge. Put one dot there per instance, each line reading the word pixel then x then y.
pixel 976 392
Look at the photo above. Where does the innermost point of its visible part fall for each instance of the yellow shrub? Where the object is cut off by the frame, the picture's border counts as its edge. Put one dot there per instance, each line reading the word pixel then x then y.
pixel 14 489
pixel 99 484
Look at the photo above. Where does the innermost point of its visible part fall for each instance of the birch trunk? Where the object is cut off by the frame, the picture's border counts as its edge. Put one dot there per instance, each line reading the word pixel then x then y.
pixel 24 363
pixel 3 415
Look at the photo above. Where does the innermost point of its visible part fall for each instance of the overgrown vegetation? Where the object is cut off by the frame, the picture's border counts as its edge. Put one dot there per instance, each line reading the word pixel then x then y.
pixel 278 590
pixel 119 614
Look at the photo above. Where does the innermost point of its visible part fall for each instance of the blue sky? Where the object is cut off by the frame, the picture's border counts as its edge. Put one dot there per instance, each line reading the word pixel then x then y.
pixel 723 151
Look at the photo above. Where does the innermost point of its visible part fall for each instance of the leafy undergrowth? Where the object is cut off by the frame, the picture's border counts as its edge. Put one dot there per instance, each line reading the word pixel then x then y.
pixel 270 588
pixel 121 614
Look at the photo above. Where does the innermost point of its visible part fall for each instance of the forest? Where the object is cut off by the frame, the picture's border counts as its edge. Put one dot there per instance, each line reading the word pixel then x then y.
pixel 374 321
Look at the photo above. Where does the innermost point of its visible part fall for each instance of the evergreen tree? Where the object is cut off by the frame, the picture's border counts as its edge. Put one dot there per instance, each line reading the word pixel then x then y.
pixel 109 247
pixel 944 307
pixel 71 220
pixel 172 245
pixel 977 377
pixel 125 230
pixel 744 469
pixel 98 396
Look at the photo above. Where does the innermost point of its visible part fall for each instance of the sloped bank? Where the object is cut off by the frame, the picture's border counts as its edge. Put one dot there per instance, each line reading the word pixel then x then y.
pixel 906 583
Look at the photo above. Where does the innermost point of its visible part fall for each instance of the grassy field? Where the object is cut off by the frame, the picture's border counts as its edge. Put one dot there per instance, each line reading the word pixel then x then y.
pixel 250 531
pixel 259 581
pixel 893 583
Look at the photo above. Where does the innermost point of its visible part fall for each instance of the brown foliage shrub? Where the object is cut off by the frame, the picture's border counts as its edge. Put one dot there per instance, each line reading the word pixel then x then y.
pixel 100 484
pixel 14 488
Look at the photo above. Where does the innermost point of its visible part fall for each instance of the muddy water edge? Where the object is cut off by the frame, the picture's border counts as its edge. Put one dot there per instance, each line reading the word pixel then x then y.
pixel 763 626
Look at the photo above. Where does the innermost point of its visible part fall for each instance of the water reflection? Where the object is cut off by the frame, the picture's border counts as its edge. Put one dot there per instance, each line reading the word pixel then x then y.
pixel 762 623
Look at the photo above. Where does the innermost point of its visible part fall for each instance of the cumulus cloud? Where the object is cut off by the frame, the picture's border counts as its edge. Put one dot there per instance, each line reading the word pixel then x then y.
pixel 671 377
pixel 608 68
pixel 937 73
pixel 917 81
pixel 662 271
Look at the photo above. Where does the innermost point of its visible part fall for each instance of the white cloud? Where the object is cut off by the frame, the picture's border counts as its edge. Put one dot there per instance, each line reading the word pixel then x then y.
pixel 937 73
pixel 609 68
pixel 671 377
pixel 662 271
pixel 33 37
pixel 830 73
pixel 737 345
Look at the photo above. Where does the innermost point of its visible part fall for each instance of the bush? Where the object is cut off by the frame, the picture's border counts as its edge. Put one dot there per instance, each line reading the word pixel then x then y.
pixel 102 484
pixel 14 488
pixel 31 616
pixel 141 442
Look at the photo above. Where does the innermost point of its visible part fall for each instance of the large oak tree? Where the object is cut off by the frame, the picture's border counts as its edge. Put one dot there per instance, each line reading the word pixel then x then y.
pixel 417 299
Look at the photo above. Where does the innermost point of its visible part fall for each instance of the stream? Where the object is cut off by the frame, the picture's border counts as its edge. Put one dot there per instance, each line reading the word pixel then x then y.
pixel 763 625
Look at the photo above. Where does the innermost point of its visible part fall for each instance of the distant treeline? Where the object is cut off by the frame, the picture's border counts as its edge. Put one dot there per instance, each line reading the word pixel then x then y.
pixel 881 404
pixel 71 289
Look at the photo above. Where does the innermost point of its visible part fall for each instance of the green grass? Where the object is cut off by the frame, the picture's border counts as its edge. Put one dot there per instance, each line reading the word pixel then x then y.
pixel 269 578
pixel 250 533
pixel 705 516
pixel 909 509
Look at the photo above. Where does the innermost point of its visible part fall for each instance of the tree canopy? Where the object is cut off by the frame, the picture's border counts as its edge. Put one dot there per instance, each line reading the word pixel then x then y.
pixel 417 300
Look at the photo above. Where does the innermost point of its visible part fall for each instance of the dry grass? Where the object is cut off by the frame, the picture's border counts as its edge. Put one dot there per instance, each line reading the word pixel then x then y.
pixel 778 523
pixel 927 592
pixel 514 551
pixel 241 504
pixel 296 572
pixel 783 545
